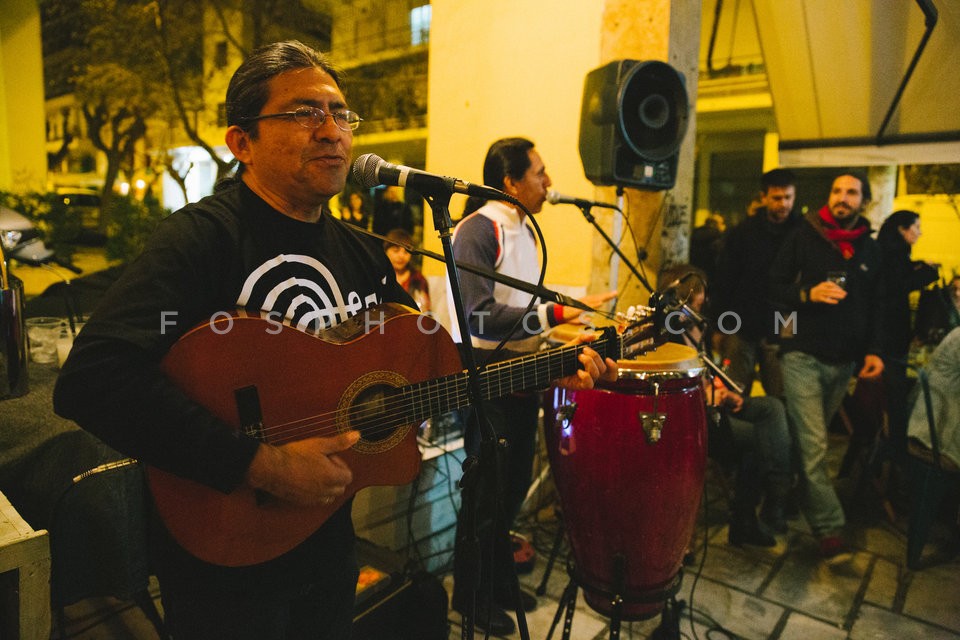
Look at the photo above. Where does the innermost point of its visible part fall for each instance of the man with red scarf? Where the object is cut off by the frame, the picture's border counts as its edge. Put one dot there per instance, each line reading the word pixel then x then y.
pixel 825 280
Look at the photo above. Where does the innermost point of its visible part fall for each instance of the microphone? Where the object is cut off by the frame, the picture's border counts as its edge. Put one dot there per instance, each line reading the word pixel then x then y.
pixel 676 283
pixel 554 197
pixel 665 300
pixel 370 170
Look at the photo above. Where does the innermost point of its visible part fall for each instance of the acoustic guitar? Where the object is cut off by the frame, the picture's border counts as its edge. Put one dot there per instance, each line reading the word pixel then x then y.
pixel 382 372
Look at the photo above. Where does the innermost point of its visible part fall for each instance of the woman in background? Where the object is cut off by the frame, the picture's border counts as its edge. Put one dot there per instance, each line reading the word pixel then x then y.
pixel 355 212
pixel 897 235
pixel 408 277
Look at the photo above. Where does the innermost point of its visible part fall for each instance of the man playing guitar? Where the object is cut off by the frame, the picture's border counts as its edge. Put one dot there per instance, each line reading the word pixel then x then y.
pixel 208 410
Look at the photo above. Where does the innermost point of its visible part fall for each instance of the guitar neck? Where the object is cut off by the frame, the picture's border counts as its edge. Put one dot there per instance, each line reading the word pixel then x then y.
pixel 537 370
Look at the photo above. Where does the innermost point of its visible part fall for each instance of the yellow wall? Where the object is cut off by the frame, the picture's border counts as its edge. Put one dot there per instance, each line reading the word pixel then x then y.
pixel 23 160
pixel 511 68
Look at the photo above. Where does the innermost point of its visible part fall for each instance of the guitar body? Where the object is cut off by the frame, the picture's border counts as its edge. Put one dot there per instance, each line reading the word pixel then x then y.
pixel 306 385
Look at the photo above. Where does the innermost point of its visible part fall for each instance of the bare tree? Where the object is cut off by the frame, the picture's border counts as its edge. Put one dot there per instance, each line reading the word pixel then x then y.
pixel 139 60
pixel 115 105
pixel 264 20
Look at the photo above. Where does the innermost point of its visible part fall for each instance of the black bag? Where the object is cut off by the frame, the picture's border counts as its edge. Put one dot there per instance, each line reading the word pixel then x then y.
pixel 932 321
pixel 721 446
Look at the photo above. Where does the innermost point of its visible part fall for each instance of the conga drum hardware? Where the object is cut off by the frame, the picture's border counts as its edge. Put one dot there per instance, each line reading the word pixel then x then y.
pixel 563 424
pixel 653 422
pixel 565 414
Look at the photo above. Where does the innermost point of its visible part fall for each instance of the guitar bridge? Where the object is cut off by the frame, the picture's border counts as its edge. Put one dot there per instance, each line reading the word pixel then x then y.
pixel 251 423
pixel 249 412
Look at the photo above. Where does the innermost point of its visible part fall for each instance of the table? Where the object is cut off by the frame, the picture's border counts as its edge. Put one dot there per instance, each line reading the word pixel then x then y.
pixel 25 559
pixel 97 525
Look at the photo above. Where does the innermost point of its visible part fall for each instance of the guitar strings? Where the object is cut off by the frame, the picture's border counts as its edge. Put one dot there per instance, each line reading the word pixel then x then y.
pixel 327 422
pixel 449 392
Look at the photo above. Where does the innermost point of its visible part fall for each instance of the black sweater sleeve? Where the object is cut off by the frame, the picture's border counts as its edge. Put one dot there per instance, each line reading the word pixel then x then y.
pixel 112 385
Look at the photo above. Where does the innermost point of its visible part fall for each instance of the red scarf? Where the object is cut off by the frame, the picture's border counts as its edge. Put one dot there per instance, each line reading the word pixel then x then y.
pixel 843 238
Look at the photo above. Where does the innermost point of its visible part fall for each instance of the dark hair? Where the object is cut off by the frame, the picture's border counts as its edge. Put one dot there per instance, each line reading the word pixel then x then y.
pixel 505 157
pixel 345 200
pixel 889 235
pixel 248 90
pixel 864 183
pixel 777 178
pixel 396 236
pixel 695 283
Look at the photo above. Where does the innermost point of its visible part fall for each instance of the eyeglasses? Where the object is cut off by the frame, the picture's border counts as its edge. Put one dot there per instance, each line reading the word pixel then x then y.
pixel 313 118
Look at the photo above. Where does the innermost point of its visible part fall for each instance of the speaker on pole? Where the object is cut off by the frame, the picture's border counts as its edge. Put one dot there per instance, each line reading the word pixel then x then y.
pixel 632 120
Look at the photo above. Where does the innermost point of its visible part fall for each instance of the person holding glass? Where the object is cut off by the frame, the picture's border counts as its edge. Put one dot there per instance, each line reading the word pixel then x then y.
pixel 825 282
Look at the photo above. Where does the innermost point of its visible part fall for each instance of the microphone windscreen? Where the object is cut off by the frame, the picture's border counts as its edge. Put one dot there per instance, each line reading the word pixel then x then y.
pixel 553 197
pixel 365 170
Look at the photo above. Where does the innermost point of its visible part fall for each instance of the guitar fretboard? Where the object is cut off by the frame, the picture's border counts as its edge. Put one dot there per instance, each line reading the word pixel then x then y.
pixel 537 370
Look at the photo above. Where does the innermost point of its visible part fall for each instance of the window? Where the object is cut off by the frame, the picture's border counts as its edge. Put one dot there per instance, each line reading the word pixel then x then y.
pixel 420 24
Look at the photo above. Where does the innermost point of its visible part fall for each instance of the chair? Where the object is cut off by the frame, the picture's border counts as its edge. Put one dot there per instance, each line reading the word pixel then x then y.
pixel 931 473
pixel 869 458
pixel 98 540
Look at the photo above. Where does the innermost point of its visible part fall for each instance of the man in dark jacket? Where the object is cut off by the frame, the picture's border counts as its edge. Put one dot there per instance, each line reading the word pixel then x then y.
pixel 826 278
pixel 741 284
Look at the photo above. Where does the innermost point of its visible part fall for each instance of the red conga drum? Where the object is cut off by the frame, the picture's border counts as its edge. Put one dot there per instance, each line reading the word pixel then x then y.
pixel 628 460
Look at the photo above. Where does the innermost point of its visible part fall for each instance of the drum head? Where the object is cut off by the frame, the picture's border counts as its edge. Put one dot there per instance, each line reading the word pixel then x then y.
pixel 668 360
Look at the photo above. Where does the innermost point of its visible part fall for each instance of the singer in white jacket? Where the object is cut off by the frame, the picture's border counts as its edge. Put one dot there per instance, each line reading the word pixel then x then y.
pixel 496 235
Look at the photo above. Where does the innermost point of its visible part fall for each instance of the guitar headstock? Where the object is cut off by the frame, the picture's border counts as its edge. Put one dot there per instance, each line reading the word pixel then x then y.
pixel 637 331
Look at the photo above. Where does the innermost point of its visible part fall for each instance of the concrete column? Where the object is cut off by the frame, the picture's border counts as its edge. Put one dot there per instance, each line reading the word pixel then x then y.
pixel 667 30
pixel 883 186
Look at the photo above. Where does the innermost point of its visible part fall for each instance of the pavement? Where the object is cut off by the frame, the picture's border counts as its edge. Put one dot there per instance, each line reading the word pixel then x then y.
pixel 783 593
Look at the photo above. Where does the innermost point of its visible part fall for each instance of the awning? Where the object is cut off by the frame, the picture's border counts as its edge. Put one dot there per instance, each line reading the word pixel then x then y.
pixel 836 72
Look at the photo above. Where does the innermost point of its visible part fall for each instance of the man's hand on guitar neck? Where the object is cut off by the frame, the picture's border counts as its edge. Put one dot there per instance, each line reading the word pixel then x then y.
pixel 304 472
pixel 594 367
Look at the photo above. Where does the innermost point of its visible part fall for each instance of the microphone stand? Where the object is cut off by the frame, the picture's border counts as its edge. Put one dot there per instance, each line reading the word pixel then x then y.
pixel 657 298
pixel 720 373
pixel 699 345
pixel 522 285
pixel 585 209
pixel 475 468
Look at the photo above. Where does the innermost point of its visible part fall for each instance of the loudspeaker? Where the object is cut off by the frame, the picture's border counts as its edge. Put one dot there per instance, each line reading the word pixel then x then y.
pixel 632 120
pixel 394 602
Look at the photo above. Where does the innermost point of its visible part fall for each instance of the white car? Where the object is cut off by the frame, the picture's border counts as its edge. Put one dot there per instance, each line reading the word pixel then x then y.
pixel 21 240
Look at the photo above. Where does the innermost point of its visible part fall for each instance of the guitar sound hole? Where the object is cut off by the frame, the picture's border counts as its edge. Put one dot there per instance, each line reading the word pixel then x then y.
pixel 376 412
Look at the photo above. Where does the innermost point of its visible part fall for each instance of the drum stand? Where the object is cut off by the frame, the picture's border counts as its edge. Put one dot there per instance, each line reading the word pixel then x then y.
pixel 669 628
